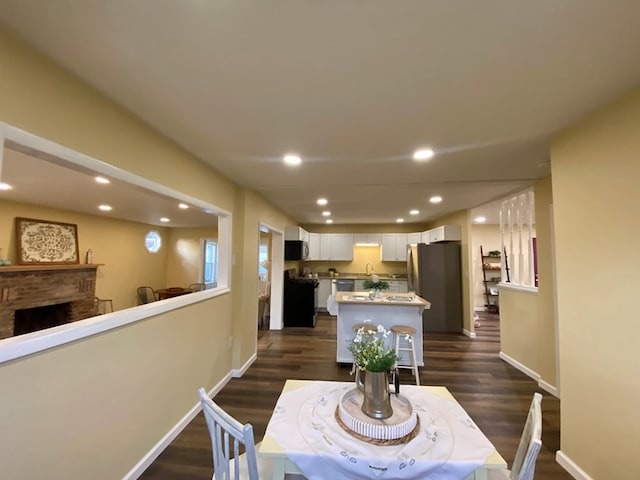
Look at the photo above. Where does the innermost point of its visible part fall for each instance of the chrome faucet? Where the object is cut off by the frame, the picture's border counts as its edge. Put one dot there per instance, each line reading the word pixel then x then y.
pixel 366 268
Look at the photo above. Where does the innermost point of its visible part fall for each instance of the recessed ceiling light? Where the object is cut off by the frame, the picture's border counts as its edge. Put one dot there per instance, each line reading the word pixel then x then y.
pixel 102 180
pixel 414 212
pixel 322 201
pixel 435 199
pixel 164 220
pixel 329 221
pixel 105 208
pixel 326 213
pixel 292 160
pixel 480 219
pixel 423 154
pixel 399 220
pixel 183 206
pixel 5 186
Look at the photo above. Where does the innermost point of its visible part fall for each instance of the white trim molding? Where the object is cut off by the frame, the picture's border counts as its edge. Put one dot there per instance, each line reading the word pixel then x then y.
pixel 571 467
pixel 468 333
pixel 547 387
pixel 171 435
pixel 238 372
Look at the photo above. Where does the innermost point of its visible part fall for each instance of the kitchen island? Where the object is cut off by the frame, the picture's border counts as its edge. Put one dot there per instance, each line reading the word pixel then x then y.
pixel 388 310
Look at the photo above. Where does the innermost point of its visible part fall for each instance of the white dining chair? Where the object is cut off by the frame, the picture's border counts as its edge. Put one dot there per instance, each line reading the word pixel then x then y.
pixel 227 434
pixel 524 464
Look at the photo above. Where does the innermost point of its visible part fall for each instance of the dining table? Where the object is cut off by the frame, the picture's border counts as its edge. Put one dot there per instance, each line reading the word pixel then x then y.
pixel 171 292
pixel 305 436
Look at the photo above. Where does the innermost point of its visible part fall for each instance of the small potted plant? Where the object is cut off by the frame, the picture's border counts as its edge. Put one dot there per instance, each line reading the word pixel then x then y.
pixel 494 253
pixel 375 285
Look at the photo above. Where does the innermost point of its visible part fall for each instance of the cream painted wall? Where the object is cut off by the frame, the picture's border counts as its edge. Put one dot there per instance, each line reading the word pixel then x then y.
pixel 92 409
pixel 184 262
pixel 254 211
pixel 487 236
pixel 43 99
pixel 546 366
pixel 527 321
pixel 112 396
pixel 519 327
pixel 117 244
pixel 596 195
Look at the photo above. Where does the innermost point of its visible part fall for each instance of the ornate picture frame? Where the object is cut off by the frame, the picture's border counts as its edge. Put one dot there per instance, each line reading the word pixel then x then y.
pixel 43 242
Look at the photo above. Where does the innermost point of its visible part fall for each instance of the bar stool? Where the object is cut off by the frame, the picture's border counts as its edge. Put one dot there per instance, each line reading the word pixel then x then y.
pixel 405 333
pixel 368 327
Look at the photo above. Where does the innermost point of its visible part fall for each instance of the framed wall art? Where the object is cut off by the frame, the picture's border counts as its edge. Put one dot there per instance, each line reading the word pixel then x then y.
pixel 41 242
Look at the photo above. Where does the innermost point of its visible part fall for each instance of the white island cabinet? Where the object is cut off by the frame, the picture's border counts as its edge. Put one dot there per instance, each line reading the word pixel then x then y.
pixel 389 310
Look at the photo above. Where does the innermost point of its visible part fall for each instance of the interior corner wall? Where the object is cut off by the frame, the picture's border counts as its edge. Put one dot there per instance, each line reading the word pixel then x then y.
pixel 546 361
pixel 141 378
pixel 185 254
pixel 118 245
pixel 595 171
pixel 252 211
pixel 462 218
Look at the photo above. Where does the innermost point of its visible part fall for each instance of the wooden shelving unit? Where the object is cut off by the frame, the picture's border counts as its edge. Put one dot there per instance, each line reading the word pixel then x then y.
pixel 491 271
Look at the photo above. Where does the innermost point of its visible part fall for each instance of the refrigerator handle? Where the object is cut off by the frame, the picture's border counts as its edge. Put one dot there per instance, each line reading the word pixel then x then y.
pixel 410 285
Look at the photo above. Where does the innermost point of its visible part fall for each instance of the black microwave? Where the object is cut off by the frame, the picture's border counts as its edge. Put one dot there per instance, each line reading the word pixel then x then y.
pixel 296 250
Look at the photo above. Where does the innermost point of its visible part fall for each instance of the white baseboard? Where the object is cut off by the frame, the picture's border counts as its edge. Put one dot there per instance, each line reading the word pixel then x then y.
pixel 171 435
pixel 574 470
pixel 238 372
pixel 547 387
pixel 468 333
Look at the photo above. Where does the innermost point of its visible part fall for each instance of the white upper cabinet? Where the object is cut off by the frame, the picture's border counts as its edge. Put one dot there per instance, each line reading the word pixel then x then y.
pixel 331 246
pixel 341 246
pixel 370 238
pixel 414 238
pixel 296 233
pixel 445 233
pixel 314 247
pixel 394 247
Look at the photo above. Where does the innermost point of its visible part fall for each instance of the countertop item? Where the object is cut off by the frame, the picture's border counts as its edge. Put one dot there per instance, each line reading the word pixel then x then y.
pixel 384 299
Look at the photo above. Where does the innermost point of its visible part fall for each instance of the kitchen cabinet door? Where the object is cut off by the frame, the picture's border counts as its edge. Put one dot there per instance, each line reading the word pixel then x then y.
pixel 325 246
pixel 394 247
pixel 324 290
pixel 397 286
pixel 445 233
pixel 341 246
pixel 296 233
pixel 414 238
pixel 367 238
pixel 314 247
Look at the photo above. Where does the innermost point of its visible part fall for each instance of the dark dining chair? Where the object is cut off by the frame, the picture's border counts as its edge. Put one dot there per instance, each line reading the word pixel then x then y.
pixel 147 295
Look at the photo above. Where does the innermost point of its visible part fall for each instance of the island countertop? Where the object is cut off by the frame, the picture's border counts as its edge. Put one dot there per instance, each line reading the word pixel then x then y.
pixel 396 299
pixel 388 310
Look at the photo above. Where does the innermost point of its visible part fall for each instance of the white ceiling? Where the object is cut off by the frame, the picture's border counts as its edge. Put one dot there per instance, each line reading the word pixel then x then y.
pixel 351 86
pixel 54 183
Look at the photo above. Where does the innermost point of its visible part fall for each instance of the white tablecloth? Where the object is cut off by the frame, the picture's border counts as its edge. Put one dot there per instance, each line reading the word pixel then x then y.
pixel 449 445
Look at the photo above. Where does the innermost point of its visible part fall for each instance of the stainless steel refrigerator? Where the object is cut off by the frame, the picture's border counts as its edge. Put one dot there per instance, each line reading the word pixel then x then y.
pixel 435 274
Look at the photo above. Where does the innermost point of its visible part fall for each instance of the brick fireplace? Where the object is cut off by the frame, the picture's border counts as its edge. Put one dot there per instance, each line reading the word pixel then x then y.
pixel 27 288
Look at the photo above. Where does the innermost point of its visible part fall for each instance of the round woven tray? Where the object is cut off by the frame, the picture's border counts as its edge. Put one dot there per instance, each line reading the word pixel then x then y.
pixel 374 441
pixel 401 427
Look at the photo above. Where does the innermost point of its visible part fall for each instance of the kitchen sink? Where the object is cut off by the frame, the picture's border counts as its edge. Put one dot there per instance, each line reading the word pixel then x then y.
pixel 357 298
pixel 399 299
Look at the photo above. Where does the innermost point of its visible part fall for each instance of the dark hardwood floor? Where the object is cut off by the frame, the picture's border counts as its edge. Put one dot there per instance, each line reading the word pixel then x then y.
pixel 496 395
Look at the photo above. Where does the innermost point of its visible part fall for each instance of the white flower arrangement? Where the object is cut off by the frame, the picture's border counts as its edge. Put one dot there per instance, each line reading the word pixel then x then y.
pixel 369 350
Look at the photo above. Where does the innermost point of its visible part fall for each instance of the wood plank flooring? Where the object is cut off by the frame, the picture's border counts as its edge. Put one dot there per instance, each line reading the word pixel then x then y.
pixel 496 395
